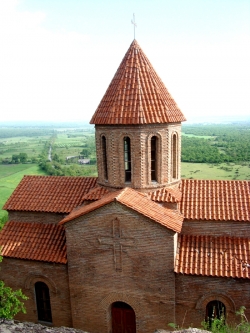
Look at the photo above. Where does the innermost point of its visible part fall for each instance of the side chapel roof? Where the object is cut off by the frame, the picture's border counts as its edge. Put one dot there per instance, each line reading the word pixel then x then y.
pixel 136 201
pixel 51 194
pixel 136 95
pixel 34 241
pixel 221 256
pixel 218 200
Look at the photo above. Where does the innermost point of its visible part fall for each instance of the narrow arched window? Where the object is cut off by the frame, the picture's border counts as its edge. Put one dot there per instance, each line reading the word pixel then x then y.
pixel 215 309
pixel 104 158
pixel 43 302
pixel 127 159
pixel 154 161
pixel 174 156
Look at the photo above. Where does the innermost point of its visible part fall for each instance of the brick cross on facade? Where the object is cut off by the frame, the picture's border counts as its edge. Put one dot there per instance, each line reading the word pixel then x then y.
pixel 117 242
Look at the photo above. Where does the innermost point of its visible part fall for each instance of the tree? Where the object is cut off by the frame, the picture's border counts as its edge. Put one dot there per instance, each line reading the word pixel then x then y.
pixel 85 152
pixel 10 301
pixel 15 158
pixel 23 157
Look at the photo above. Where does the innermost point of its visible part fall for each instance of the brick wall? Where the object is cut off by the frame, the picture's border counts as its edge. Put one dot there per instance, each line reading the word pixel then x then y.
pixel 193 293
pixel 140 274
pixel 140 137
pixel 35 217
pixel 25 273
pixel 216 228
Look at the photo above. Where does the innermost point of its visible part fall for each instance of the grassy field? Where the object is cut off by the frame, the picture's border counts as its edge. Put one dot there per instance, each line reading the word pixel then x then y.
pixel 226 171
pixel 32 146
pixel 67 144
pixel 10 176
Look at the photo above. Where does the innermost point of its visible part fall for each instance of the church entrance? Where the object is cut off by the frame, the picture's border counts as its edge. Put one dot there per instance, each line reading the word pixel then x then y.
pixel 123 318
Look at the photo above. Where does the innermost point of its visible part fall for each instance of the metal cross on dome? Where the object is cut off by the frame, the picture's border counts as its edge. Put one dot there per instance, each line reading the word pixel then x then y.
pixel 133 22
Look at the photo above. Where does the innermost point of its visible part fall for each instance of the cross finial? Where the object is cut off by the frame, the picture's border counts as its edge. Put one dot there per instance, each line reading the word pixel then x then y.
pixel 133 22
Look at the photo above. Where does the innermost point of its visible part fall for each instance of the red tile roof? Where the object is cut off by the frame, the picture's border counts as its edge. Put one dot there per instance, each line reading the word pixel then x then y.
pixel 136 201
pixel 136 94
pixel 219 200
pixel 95 194
pixel 166 194
pixel 55 194
pixel 33 241
pixel 213 256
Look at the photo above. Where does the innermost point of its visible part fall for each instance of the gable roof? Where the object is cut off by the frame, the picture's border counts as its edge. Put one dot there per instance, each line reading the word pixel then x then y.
pixel 33 241
pixel 136 94
pixel 55 194
pixel 213 256
pixel 136 201
pixel 219 200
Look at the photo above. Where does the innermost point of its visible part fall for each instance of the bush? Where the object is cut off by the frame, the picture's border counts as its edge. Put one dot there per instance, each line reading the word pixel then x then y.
pixel 10 301
pixel 219 325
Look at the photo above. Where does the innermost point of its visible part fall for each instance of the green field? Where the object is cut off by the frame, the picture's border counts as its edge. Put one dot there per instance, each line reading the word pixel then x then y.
pixel 32 146
pixel 10 176
pixel 223 171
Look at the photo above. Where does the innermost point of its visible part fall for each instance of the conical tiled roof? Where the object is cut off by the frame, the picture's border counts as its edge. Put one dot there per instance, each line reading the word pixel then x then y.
pixel 136 95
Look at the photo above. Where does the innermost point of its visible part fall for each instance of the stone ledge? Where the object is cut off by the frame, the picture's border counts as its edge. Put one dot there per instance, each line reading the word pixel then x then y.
pixel 13 326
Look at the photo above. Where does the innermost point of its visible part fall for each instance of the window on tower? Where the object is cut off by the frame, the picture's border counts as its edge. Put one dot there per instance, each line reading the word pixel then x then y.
pixel 154 143
pixel 174 156
pixel 104 158
pixel 127 159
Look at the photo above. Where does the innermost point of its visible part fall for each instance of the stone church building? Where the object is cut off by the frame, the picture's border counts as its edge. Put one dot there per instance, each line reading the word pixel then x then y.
pixel 137 247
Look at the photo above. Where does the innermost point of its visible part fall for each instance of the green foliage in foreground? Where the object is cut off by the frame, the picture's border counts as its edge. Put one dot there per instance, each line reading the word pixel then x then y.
pixel 10 301
pixel 219 325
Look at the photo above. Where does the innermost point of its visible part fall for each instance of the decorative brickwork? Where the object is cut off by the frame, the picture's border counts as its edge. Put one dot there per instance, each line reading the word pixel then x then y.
pixel 140 138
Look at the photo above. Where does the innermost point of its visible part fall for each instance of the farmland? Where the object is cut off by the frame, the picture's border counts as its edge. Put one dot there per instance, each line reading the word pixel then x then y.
pixel 208 152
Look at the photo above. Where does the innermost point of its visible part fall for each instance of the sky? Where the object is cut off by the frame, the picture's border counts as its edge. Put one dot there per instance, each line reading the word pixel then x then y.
pixel 57 57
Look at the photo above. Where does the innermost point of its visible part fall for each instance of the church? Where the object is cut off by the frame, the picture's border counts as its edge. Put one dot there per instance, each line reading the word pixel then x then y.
pixel 137 247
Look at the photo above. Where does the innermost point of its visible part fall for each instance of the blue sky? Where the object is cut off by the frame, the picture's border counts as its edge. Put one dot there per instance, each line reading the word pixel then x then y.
pixel 58 56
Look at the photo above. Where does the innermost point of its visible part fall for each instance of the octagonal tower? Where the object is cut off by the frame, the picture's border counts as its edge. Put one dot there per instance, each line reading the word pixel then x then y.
pixel 138 128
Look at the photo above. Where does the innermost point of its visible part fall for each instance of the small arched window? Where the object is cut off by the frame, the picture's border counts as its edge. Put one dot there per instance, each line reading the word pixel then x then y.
pixel 154 162
pixel 127 159
pixel 174 156
pixel 104 158
pixel 43 302
pixel 215 309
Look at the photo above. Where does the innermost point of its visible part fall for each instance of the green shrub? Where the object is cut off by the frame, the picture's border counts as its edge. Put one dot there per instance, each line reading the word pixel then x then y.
pixel 10 301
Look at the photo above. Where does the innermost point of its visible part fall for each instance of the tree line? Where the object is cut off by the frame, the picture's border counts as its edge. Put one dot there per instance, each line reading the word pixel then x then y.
pixel 227 143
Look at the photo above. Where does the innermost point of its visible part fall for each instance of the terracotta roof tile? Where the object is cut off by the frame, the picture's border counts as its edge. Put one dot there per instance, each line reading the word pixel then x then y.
pixel 33 241
pixel 166 194
pixel 220 200
pixel 95 194
pixel 136 94
pixel 136 201
pixel 55 194
pixel 213 256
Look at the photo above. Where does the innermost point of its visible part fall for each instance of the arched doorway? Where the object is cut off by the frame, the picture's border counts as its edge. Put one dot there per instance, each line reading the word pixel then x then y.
pixel 215 309
pixel 123 318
